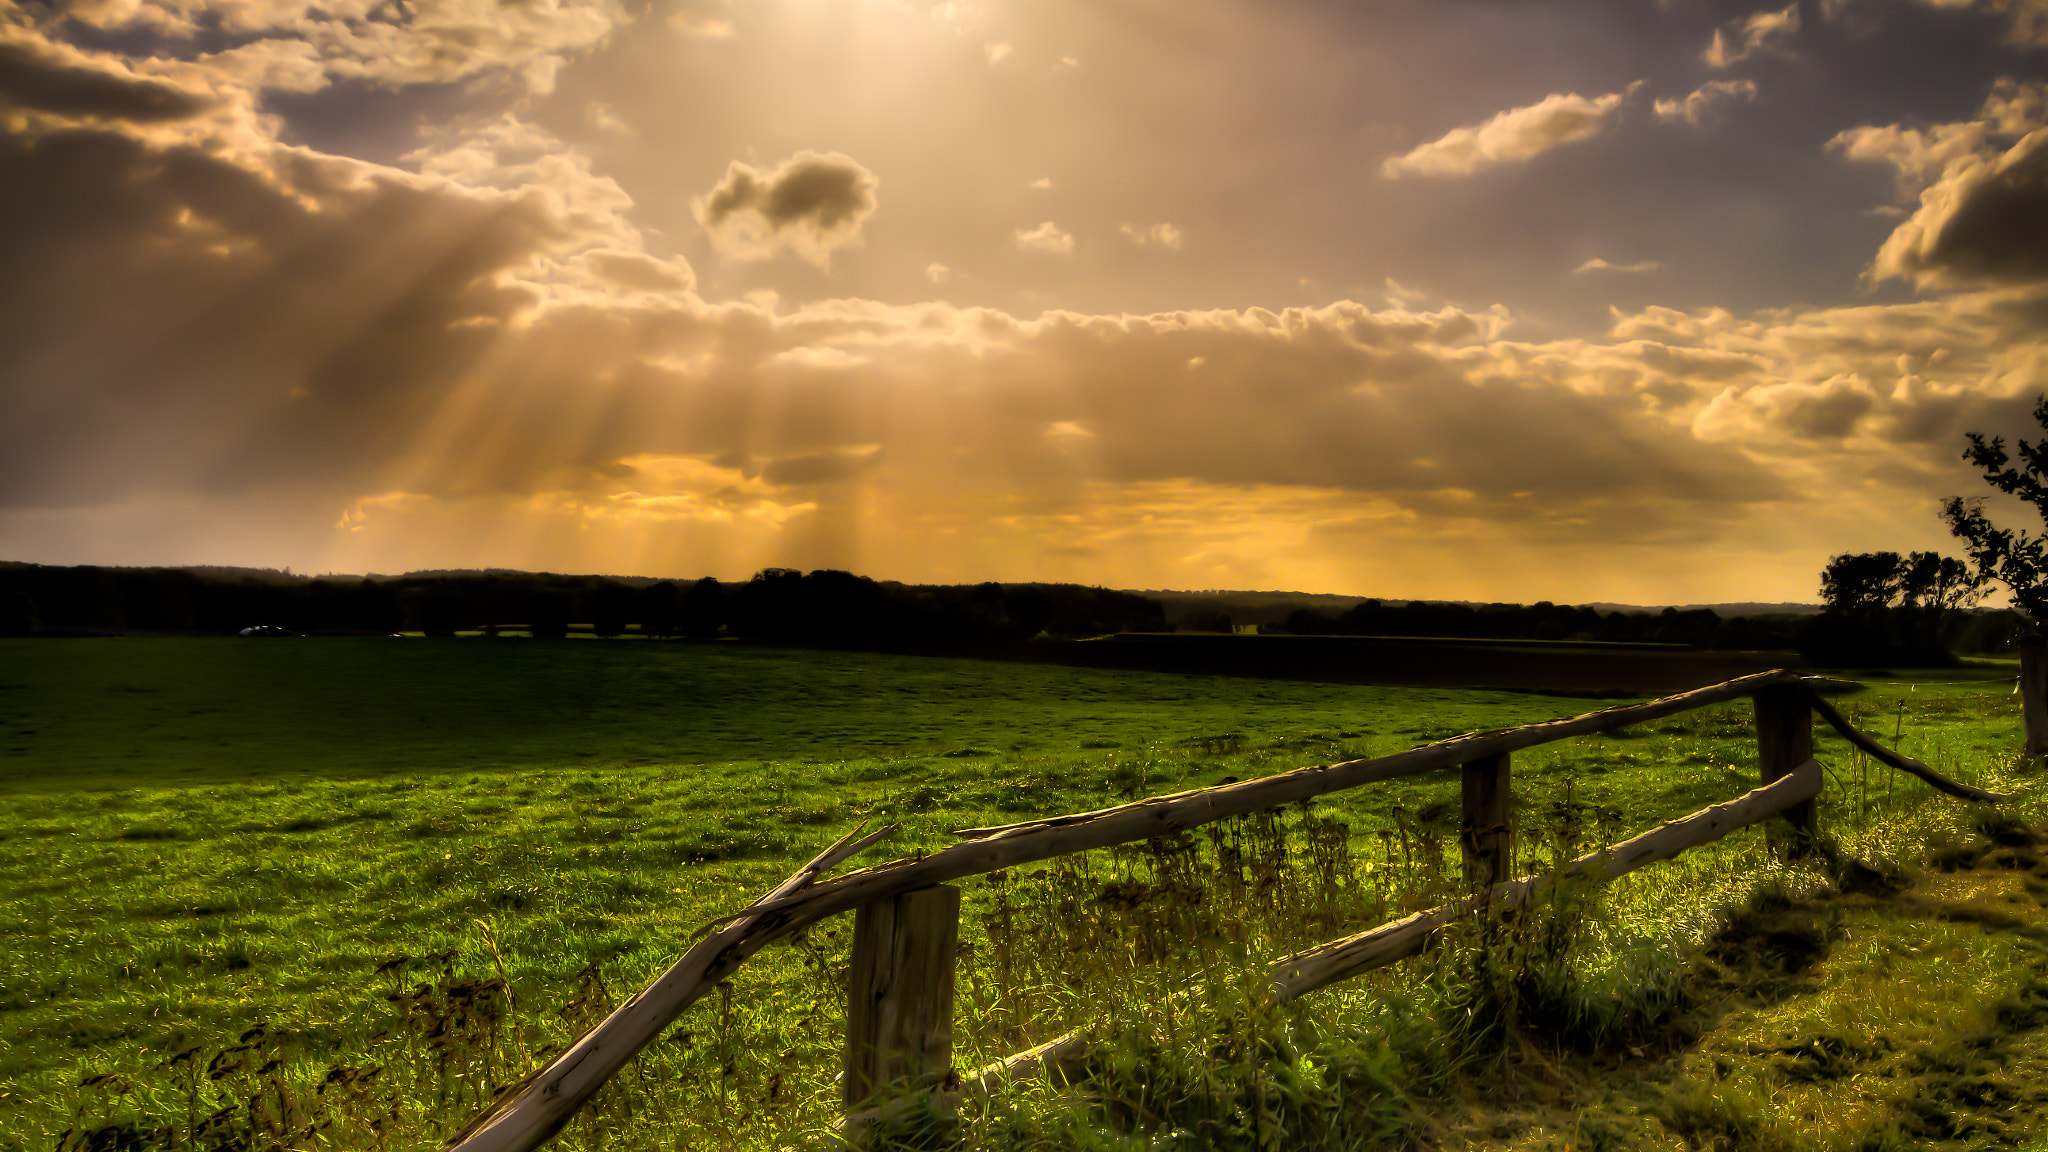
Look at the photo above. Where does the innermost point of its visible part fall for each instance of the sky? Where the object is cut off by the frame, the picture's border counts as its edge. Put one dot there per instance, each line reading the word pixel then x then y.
pixel 1643 301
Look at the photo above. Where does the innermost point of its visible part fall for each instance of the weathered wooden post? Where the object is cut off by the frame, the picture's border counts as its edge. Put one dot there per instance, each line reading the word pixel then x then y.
pixel 899 995
pixel 1486 830
pixel 1784 741
pixel 2034 692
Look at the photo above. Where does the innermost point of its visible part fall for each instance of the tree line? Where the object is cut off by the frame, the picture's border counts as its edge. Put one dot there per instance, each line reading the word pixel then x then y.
pixel 1882 608
pixel 777 605
pixel 1694 627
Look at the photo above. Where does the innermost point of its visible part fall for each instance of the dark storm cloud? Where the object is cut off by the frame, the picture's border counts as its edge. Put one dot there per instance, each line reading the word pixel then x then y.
pixel 813 202
pixel 30 79
pixel 825 192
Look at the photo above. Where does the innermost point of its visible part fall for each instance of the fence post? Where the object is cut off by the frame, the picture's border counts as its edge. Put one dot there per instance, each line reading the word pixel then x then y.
pixel 1486 832
pixel 2034 692
pixel 899 994
pixel 1784 741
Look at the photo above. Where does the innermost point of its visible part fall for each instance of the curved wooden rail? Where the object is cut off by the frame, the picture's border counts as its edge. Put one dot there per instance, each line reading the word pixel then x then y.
pixel 1904 763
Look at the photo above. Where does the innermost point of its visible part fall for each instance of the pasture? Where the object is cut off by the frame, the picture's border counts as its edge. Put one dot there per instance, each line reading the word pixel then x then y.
pixel 432 858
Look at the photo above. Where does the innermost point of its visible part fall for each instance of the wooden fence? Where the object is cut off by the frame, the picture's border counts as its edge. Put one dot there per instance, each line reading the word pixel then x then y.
pixel 899 1020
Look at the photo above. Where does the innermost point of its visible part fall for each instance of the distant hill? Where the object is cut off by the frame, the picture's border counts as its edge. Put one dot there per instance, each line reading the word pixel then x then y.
pixel 1737 608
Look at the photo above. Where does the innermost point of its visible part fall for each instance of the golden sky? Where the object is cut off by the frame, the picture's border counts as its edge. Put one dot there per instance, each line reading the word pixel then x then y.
pixel 1621 300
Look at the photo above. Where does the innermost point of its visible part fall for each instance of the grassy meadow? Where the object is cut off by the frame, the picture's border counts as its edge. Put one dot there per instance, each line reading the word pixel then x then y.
pixel 333 892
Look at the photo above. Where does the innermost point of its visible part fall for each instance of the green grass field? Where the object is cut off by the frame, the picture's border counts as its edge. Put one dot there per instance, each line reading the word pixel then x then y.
pixel 198 837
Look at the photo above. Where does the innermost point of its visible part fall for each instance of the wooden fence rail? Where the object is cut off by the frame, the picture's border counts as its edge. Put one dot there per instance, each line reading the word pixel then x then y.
pixel 900 1010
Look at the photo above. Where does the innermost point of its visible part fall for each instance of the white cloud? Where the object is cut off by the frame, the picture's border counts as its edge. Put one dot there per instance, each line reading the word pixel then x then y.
pixel 1513 136
pixel 1162 234
pixel 1699 105
pixel 1765 31
pixel 1047 237
pixel 996 52
pixel 937 273
pixel 1042 184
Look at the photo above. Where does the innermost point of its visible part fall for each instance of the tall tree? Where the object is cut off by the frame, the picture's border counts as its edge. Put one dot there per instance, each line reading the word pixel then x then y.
pixel 1883 608
pixel 1862 585
pixel 2015 559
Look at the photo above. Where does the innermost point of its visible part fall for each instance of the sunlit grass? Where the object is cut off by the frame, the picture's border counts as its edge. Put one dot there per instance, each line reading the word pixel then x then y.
pixel 142 923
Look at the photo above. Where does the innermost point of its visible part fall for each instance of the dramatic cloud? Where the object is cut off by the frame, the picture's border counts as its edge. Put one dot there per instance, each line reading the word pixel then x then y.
pixel 1699 105
pixel 1765 31
pixel 1047 237
pixel 811 204
pixel 1516 135
pixel 348 287
pixel 190 306
pixel 46 81
pixel 1982 187
pixel 420 42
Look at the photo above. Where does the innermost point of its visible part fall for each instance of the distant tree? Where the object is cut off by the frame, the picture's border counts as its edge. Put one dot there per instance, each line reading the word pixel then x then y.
pixel 1306 621
pixel 1694 626
pixel 17 613
pixel 1365 618
pixel 547 615
pixel 1883 608
pixel 1861 586
pixel 657 609
pixel 702 611
pixel 434 610
pixel 374 607
pixel 611 605
pixel 1029 607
